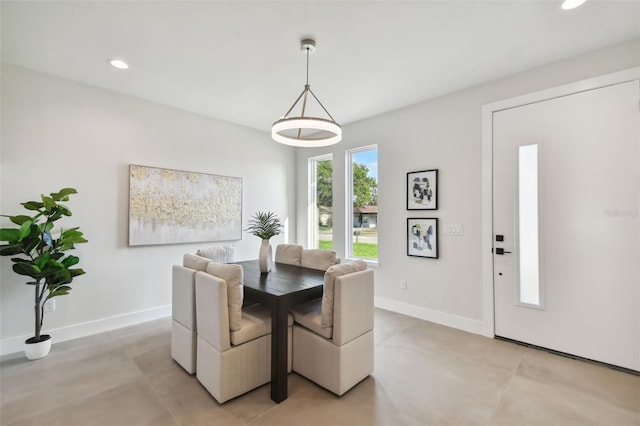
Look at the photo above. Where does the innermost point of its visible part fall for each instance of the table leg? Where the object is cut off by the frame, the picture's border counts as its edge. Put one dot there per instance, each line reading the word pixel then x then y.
pixel 279 352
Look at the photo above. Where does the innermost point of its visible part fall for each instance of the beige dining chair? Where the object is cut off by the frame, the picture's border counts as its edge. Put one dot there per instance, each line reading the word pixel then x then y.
pixel 333 335
pixel 183 310
pixel 220 253
pixel 233 343
pixel 291 254
pixel 318 259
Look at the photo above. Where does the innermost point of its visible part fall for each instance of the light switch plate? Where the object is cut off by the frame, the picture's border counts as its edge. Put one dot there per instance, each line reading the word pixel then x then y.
pixel 452 229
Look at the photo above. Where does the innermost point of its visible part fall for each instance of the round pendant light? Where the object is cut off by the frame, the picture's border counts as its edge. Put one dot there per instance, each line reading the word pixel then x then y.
pixel 306 131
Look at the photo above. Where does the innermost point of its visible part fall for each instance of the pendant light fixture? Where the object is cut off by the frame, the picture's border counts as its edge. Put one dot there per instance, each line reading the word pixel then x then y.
pixel 305 130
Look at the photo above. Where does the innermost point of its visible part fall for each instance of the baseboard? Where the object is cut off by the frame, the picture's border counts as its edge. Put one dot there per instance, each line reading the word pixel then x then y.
pixel 16 344
pixel 438 317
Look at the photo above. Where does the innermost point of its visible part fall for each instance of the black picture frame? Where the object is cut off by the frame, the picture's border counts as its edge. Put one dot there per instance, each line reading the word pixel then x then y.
pixel 422 190
pixel 422 237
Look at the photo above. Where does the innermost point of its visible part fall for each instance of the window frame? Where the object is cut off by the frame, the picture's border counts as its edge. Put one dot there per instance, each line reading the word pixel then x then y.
pixel 313 216
pixel 349 203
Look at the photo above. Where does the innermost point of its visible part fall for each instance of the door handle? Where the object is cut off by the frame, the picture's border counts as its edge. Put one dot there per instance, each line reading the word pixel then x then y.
pixel 501 251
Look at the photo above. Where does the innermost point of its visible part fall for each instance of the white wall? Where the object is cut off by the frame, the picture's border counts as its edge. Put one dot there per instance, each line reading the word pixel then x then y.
pixel 57 133
pixel 445 134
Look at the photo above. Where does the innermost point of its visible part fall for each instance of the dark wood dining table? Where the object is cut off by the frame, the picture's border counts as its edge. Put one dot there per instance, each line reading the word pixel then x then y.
pixel 283 287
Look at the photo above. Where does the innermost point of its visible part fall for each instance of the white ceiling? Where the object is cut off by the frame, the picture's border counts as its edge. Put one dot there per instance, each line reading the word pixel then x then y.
pixel 240 61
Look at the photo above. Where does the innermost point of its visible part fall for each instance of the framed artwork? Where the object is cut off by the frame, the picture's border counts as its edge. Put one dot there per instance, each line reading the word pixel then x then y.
pixel 422 190
pixel 173 206
pixel 422 237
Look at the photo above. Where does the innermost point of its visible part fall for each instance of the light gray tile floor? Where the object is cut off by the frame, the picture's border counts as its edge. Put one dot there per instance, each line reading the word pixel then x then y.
pixel 425 374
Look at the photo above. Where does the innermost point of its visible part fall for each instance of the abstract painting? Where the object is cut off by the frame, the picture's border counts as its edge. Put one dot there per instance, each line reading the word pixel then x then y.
pixel 422 190
pixel 422 237
pixel 172 206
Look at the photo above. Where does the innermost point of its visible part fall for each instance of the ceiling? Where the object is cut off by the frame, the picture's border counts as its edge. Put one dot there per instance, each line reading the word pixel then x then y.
pixel 240 61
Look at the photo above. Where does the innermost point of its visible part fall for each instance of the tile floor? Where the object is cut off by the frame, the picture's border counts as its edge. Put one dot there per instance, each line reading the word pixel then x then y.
pixel 425 374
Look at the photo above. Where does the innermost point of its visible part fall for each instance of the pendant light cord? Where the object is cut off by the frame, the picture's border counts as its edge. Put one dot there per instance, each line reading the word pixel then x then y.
pixel 307 65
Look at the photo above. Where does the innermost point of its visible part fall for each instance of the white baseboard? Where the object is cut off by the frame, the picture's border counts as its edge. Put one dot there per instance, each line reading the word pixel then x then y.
pixel 16 344
pixel 442 318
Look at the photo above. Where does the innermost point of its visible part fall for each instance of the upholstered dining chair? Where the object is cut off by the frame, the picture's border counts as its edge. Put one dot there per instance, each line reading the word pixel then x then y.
pixel 233 343
pixel 318 259
pixel 183 307
pixel 291 254
pixel 333 335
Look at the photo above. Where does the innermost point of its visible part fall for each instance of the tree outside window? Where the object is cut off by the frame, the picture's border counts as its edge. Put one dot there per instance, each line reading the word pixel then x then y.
pixel 363 181
pixel 364 196
pixel 321 192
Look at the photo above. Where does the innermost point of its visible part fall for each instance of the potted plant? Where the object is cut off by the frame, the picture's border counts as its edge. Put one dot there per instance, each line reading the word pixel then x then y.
pixel 41 255
pixel 264 225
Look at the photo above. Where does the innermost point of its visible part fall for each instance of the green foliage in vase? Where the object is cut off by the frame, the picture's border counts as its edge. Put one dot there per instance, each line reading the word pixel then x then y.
pixel 39 253
pixel 264 225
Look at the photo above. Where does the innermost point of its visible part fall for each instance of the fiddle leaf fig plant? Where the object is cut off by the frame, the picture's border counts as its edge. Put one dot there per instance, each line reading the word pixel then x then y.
pixel 264 225
pixel 40 253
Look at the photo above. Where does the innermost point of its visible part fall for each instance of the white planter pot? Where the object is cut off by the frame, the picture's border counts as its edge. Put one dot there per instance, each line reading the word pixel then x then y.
pixel 265 256
pixel 37 350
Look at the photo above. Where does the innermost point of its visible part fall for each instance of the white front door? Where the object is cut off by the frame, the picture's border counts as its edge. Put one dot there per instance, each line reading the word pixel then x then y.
pixel 566 185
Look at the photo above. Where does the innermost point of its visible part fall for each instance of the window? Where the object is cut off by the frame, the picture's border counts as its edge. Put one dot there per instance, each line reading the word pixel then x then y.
pixel 362 202
pixel 321 202
pixel 529 289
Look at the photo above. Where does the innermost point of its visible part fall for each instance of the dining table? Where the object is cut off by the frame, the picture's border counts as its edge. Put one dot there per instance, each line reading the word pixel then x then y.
pixel 280 289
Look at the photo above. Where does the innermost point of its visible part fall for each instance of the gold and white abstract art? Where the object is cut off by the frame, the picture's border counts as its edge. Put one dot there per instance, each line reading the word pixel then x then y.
pixel 172 206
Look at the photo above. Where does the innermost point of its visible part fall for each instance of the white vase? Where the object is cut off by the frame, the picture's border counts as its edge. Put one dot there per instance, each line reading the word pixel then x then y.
pixel 265 256
pixel 37 350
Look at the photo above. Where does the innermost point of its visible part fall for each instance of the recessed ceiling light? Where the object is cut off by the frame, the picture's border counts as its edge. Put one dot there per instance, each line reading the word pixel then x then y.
pixel 118 63
pixel 572 4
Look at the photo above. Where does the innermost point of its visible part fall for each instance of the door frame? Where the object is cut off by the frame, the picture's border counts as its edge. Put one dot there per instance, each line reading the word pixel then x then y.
pixel 488 308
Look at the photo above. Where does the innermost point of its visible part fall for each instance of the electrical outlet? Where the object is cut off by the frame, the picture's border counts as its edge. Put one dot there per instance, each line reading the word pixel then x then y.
pixel 403 284
pixel 50 305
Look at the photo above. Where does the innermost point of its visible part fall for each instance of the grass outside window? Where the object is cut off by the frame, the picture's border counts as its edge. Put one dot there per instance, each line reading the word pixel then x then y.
pixel 362 250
